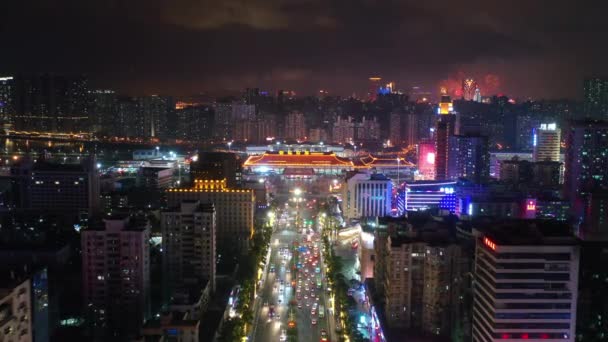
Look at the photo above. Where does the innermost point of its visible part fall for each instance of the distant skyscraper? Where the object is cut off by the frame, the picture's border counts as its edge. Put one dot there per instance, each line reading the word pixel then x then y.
pixel 446 127
pixel 526 283
pixel 7 98
pixel 374 87
pixel 116 275
pixel 546 142
pixel 52 103
pixel 295 126
pixel 343 130
pixel 596 98
pixel 395 128
pixel 586 164
pixel 104 109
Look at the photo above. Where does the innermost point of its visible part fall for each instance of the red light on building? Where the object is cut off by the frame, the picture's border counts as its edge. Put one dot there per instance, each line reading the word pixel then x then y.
pixel 531 205
pixel 505 336
pixel 544 336
pixel 489 243
pixel 525 336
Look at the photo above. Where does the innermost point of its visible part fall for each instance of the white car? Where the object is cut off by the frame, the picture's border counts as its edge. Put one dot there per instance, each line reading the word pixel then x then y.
pixel 283 336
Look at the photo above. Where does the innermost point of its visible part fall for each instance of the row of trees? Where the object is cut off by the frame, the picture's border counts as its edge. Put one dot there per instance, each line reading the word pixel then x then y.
pixel 343 303
pixel 233 329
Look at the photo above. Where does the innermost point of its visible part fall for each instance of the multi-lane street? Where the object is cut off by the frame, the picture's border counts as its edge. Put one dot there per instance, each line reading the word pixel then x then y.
pixel 293 297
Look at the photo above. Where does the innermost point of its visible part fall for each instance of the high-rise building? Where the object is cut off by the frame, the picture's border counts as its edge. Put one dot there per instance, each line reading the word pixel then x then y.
pixel 7 99
pixel 222 120
pixel 586 163
pixel 367 195
pixel 422 277
pixel 104 111
pixel 596 98
pixel 446 127
pixel 156 112
pixel 234 210
pixel 374 87
pixel 367 129
pixel 16 310
pixel 395 128
pixel 469 158
pixel 412 128
pixel 189 248
pixel 194 123
pixel 546 142
pixel 295 126
pixel 526 276
pixel 116 275
pixel 343 130
pixel 51 103
pixel 217 166
pixel 64 187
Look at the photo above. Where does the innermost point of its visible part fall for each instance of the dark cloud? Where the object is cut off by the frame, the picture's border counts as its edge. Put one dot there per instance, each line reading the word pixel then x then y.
pixel 534 48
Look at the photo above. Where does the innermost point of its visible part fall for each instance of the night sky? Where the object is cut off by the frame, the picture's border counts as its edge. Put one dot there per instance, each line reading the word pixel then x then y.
pixel 521 48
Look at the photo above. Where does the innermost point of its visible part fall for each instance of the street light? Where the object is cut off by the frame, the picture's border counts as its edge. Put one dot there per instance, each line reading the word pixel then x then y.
pixel 297 191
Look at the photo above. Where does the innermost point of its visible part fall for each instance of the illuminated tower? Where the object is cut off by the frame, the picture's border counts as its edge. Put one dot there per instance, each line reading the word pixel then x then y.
pixel 374 86
pixel 445 104
pixel 468 89
pixel 446 128
pixel 546 142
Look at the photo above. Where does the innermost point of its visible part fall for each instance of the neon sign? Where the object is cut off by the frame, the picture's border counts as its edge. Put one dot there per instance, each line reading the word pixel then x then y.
pixel 531 206
pixel 489 243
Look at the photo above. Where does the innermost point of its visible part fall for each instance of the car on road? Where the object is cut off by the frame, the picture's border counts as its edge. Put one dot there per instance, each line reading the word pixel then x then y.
pixel 313 321
pixel 324 336
pixel 265 304
pixel 283 336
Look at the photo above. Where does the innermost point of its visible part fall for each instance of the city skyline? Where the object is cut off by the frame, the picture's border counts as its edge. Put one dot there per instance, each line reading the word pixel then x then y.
pixel 537 50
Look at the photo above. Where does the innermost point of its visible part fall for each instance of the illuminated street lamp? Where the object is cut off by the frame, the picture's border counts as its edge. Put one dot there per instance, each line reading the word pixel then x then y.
pixel 297 191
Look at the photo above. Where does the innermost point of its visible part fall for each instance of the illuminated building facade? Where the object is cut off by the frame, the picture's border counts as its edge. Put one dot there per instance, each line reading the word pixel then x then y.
pixel 526 277
pixel 189 246
pixel 445 105
pixel 116 275
pixel 426 160
pixel 234 209
pixel 546 142
pixel 423 195
pixel 324 163
pixel 367 195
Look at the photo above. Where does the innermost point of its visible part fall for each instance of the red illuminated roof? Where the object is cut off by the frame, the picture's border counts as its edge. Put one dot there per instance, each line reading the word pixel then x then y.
pixel 371 161
pixel 310 159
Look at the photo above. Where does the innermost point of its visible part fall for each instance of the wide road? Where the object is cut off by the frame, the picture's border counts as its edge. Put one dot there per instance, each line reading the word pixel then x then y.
pixel 294 224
